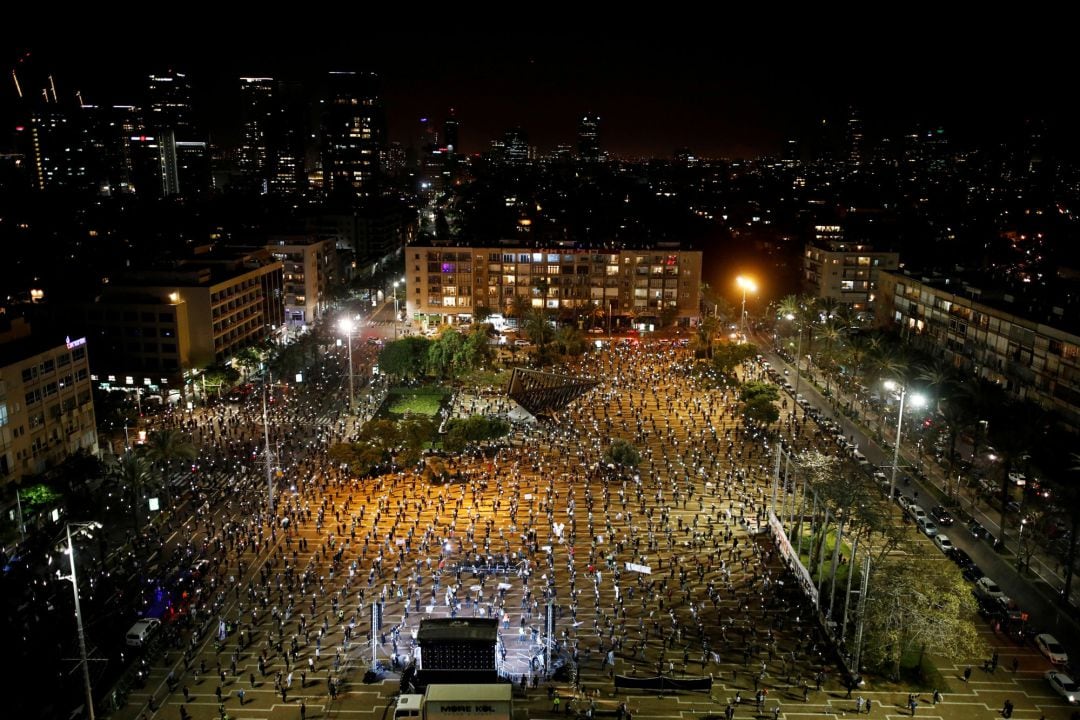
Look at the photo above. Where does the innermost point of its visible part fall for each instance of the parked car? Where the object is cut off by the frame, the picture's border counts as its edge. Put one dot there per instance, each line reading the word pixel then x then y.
pixel 927 526
pixel 917 513
pixel 1063 685
pixel 944 544
pixel 961 558
pixel 141 632
pixel 986 587
pixel 1052 649
pixel 941 516
pixel 973 573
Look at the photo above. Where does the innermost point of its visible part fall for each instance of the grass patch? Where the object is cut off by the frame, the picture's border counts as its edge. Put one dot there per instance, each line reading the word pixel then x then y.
pixel 842 569
pixel 415 401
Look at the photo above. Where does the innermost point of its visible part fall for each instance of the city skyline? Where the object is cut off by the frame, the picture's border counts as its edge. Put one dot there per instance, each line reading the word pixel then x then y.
pixel 718 101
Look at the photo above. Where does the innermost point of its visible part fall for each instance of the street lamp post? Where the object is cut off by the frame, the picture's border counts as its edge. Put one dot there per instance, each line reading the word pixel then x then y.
pixel 86 528
pixel 746 284
pixel 798 356
pixel 395 310
pixel 916 400
pixel 347 326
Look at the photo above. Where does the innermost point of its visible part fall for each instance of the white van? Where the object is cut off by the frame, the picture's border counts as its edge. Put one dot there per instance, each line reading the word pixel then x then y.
pixel 142 631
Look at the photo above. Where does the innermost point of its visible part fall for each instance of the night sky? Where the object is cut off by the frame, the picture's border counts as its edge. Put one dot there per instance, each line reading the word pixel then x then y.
pixel 738 92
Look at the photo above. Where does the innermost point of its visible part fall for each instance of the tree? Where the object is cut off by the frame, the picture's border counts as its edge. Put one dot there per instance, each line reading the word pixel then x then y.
pixel 444 355
pixel 481 313
pixel 163 448
pixel 705 336
pixel 918 603
pixel 134 474
pixel 727 356
pixel 476 352
pixel 1015 428
pixel 249 358
pixel 519 308
pixel 473 429
pixel 570 341
pixel 623 454
pixel 538 329
pixel 1071 493
pixel 406 358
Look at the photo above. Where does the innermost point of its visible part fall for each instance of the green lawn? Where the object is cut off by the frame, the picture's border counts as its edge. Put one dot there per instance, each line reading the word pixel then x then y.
pixel 415 402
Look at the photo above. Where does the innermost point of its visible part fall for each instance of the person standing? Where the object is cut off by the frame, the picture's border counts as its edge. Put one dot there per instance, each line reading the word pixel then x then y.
pixel 967 673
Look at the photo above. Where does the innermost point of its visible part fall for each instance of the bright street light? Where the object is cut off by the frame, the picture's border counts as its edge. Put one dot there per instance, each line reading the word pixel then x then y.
pixel 746 284
pixel 346 325
pixel 916 400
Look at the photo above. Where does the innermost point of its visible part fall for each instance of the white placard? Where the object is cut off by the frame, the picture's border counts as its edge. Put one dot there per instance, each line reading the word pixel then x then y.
pixel 644 569
pixel 504 586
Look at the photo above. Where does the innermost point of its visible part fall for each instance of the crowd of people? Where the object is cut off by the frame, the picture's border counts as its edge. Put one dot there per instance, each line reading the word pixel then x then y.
pixel 658 569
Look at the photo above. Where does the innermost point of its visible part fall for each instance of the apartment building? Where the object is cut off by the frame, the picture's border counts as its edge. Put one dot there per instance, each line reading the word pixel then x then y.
pixel 46 402
pixel 1012 338
pixel 647 286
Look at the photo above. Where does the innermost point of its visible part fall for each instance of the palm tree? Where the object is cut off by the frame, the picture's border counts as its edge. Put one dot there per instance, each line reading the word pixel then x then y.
pixel 940 378
pixel 1071 498
pixel 134 473
pixel 537 328
pixel 831 334
pixel 706 335
pixel 163 447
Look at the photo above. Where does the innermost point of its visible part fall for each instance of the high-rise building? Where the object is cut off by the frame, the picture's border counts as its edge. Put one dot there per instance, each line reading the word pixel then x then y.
pixel 354 132
pixel 169 103
pixel 853 138
pixel 288 140
pixel 184 152
pixel 450 133
pixel 108 133
pixel 515 147
pixel 257 117
pixel 589 138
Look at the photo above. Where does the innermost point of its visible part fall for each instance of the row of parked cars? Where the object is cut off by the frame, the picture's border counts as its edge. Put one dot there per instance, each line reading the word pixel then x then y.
pixel 993 603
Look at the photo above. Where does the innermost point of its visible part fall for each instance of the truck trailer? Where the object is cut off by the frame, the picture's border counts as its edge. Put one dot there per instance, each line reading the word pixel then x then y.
pixel 492 701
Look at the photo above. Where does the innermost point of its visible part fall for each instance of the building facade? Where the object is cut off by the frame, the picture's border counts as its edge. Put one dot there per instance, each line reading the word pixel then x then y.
pixel 309 267
pixel 158 328
pixel 846 272
pixel 1034 360
pixel 354 132
pixel 46 404
pixel 447 284
pixel 142 340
